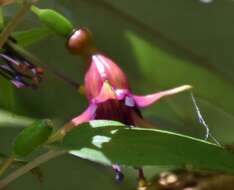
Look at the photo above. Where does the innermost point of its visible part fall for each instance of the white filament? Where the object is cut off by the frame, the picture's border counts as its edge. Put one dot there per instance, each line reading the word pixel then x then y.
pixel 203 122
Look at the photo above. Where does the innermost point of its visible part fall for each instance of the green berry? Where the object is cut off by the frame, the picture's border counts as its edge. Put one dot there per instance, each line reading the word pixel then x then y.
pixel 32 137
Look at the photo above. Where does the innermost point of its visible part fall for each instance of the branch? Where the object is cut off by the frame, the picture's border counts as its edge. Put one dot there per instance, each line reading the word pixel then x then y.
pixel 14 21
pixel 6 164
pixel 26 168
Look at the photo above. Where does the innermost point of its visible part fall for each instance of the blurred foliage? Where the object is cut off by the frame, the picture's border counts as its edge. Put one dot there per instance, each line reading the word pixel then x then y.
pixel 26 38
pixel 159 44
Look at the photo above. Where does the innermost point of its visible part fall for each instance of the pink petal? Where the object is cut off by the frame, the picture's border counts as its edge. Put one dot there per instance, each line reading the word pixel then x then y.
pixel 143 101
pixel 86 116
pixel 101 69
pixel 18 84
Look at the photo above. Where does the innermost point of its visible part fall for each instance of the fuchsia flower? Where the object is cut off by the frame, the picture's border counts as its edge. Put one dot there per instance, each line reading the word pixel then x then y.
pixel 108 92
pixel 107 89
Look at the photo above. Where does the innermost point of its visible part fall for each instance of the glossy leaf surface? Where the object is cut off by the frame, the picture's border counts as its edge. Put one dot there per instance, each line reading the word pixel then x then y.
pixel 112 143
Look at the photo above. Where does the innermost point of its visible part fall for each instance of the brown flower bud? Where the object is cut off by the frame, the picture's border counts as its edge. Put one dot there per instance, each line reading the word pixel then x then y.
pixel 80 42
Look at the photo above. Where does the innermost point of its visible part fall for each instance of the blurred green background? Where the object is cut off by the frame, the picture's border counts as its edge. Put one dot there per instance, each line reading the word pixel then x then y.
pixel 159 44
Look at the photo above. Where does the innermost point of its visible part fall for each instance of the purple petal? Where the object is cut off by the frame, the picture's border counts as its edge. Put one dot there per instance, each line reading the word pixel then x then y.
pixel 129 101
pixel 86 116
pixel 143 101
pixel 9 59
pixel 6 67
pixel 119 175
pixel 121 93
pixel 18 84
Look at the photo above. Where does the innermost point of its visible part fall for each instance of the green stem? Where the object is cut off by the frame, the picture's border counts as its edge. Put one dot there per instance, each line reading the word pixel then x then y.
pixel 28 167
pixel 6 164
pixel 14 21
pixel 1 17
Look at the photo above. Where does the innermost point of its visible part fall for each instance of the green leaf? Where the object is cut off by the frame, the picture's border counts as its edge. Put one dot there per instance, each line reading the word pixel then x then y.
pixel 32 36
pixel 9 119
pixel 112 143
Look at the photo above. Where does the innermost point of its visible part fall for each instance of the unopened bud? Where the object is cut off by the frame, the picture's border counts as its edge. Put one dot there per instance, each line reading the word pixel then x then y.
pixel 54 21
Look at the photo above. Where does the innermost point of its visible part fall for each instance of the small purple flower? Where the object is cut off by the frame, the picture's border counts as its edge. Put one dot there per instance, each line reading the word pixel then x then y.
pixel 17 68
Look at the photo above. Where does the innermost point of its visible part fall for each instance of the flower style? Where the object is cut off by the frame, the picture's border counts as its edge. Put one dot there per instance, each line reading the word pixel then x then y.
pixel 17 68
pixel 106 87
